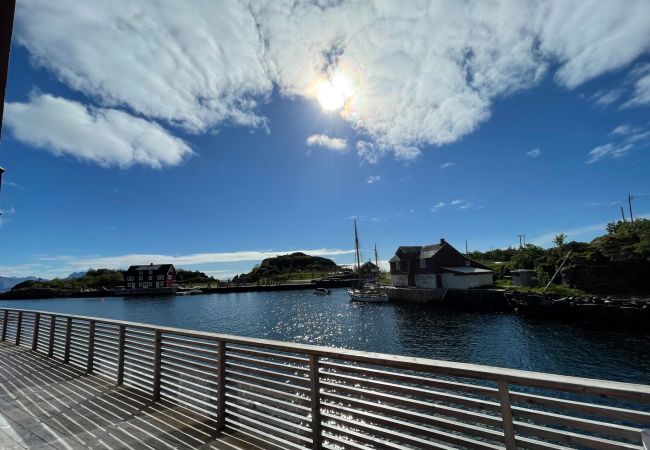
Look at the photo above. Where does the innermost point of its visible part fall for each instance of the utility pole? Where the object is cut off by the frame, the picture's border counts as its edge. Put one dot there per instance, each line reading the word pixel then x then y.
pixel 622 213
pixel 522 236
pixel 466 252
pixel 629 201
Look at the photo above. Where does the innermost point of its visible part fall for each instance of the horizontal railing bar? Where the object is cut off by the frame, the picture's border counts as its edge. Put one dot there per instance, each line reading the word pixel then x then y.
pixel 203 342
pixel 285 443
pixel 262 423
pixel 275 393
pixel 295 378
pixel 406 438
pixel 602 388
pixel 166 377
pixel 168 355
pixel 436 421
pixel 177 346
pixel 264 398
pixel 189 356
pixel 266 354
pixel 211 396
pixel 138 329
pixel 294 387
pixel 191 398
pixel 346 442
pixel 577 422
pixel 272 364
pixel 166 368
pixel 445 384
pixel 205 373
pixel 442 410
pixel 582 407
pixel 275 412
pixel 571 438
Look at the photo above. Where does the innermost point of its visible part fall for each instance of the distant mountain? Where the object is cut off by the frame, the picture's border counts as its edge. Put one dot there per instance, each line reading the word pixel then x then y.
pixel 75 275
pixel 6 283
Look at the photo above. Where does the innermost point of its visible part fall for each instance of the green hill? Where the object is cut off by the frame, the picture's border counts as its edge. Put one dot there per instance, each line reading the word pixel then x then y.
pixel 284 266
pixel 93 279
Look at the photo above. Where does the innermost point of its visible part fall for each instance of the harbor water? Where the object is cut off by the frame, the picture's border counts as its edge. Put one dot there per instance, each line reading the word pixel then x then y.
pixel 503 340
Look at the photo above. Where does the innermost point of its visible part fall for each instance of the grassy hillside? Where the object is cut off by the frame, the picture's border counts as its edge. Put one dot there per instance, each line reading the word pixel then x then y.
pixel 283 267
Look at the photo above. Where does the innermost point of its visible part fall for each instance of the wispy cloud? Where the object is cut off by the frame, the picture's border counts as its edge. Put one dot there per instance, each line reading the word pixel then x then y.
pixel 534 153
pixel 641 91
pixel 465 206
pixel 457 201
pixel 332 143
pixel 12 184
pixel 447 165
pixel 626 137
pixel 437 206
pixel 373 179
pixel 106 136
pixel 608 151
pixel 605 98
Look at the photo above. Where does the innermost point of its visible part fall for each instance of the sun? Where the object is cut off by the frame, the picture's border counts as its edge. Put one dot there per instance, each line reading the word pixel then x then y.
pixel 332 94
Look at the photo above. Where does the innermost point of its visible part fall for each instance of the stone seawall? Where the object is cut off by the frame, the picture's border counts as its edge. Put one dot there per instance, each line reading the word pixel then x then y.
pixel 466 299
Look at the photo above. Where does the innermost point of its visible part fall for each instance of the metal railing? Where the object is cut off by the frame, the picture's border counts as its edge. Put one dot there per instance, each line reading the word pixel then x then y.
pixel 304 396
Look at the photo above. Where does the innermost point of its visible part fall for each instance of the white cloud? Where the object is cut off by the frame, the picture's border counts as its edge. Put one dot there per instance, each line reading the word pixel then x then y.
pixel 423 74
pixel 609 151
pixel 196 258
pixel 373 179
pixel 106 136
pixel 437 206
pixel 465 206
pixel 322 140
pixel 447 165
pixel 641 94
pixel 457 202
pixel 534 153
pixel 606 98
pixel 622 130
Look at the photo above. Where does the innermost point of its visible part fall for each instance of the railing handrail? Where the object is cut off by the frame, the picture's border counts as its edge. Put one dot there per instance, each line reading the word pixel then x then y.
pixel 590 386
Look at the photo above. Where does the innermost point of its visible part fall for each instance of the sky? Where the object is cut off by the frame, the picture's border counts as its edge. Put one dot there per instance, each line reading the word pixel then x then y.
pixel 215 134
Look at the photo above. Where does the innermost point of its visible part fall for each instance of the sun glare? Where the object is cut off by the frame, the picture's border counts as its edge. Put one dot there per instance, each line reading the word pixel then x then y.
pixel 332 94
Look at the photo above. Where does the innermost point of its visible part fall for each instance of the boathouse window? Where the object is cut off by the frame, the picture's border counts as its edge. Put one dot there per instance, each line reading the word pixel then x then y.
pixel 129 278
pixel 423 264
pixel 467 263
pixel 398 266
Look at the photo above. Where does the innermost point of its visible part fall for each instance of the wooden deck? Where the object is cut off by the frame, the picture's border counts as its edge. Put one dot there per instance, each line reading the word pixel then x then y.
pixel 45 404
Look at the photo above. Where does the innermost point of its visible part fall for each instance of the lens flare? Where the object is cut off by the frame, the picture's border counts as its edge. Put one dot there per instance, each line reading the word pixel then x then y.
pixel 333 93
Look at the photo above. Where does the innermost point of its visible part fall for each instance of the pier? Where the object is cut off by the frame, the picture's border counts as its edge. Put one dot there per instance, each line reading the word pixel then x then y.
pixel 86 382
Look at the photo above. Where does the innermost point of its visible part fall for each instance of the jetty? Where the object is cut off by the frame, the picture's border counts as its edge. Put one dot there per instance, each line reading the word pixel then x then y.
pixel 86 382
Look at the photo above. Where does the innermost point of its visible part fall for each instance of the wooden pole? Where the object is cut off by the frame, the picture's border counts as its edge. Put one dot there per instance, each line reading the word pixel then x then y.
pixel 68 336
pixel 622 213
pixel 5 320
pixel 120 355
pixel 19 325
pixel 50 344
pixel 221 392
pixel 629 201
pixel 37 323
pixel 90 359
pixel 314 386
pixel 157 366
pixel 556 272
pixel 506 416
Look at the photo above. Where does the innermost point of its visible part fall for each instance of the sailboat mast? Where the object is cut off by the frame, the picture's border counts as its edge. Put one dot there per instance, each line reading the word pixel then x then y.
pixel 376 257
pixel 356 246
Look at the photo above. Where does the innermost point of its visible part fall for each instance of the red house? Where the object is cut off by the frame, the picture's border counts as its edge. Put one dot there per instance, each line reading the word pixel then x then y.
pixel 151 276
pixel 436 266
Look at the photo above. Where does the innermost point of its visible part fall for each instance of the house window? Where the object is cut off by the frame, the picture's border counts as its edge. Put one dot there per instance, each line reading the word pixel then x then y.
pixel 150 272
pixel 140 278
pixel 150 277
pixel 169 277
pixel 423 263
pixel 398 266
pixel 145 285
pixel 129 278
pixel 467 263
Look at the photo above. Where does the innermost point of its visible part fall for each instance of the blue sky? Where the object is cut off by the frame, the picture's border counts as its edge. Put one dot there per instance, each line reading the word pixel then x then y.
pixel 133 141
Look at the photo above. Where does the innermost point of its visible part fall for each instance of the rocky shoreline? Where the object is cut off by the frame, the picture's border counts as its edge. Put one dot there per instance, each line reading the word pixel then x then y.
pixel 594 309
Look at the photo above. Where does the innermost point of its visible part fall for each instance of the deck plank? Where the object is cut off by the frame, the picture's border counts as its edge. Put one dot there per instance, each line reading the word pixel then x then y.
pixel 45 404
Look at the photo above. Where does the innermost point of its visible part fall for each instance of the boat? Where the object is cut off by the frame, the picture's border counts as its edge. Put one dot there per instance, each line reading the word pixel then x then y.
pixel 321 291
pixel 365 291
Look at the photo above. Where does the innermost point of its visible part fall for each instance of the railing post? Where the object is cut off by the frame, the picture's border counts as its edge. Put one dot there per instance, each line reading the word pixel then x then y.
pixel 314 387
pixel 120 355
pixel 5 320
pixel 506 415
pixel 50 345
pixel 157 365
pixel 91 347
pixel 37 324
pixel 221 392
pixel 19 325
pixel 68 335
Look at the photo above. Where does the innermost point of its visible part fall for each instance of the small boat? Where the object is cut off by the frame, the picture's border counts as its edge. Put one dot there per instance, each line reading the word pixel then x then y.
pixel 321 291
pixel 366 292
pixel 195 291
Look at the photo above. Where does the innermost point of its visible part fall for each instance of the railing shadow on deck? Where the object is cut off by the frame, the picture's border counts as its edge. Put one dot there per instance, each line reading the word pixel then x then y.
pixel 284 395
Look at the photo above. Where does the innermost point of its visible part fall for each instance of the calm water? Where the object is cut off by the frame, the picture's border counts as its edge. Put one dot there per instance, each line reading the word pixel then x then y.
pixel 413 330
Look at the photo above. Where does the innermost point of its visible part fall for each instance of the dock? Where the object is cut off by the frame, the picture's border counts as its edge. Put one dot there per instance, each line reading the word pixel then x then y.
pixel 73 382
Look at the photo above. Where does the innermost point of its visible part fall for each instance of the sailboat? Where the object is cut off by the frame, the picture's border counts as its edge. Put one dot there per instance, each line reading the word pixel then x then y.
pixel 366 292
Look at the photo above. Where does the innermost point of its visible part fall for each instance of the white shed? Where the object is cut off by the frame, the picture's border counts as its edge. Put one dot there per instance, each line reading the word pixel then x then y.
pixel 465 277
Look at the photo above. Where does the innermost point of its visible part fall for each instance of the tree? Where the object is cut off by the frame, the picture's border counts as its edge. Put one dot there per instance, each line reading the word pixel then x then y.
pixel 527 257
pixel 560 240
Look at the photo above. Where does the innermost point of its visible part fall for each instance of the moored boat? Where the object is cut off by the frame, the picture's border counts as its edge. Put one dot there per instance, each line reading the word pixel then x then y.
pixel 366 292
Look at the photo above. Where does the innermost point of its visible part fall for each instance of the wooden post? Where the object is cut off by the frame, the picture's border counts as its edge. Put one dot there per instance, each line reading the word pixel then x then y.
pixel 37 323
pixel 157 365
pixel 221 392
pixel 314 386
pixel 91 347
pixel 19 325
pixel 506 416
pixel 5 320
pixel 68 335
pixel 50 345
pixel 120 355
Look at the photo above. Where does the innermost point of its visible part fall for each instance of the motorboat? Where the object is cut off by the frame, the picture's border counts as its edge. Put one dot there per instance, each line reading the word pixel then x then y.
pixel 321 291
